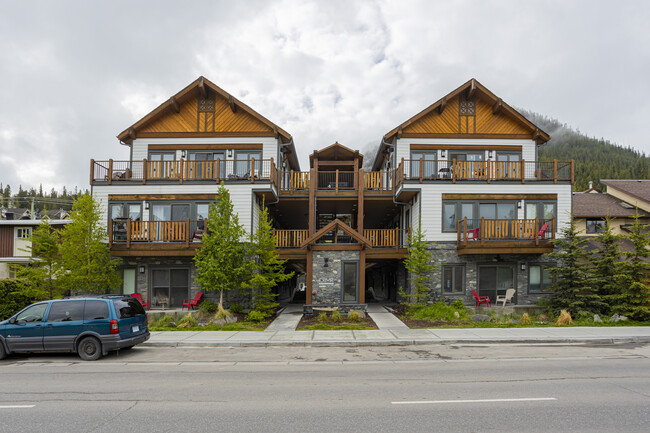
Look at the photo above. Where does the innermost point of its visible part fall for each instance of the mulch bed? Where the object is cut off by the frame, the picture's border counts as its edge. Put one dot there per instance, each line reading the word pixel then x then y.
pixel 400 312
pixel 313 320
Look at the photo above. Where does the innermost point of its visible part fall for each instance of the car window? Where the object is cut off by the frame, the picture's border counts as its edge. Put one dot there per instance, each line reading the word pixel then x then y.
pixel 32 314
pixel 96 310
pixel 128 307
pixel 66 311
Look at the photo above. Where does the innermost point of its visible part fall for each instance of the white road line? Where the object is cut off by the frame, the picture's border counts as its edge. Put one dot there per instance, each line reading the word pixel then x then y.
pixel 18 406
pixel 490 400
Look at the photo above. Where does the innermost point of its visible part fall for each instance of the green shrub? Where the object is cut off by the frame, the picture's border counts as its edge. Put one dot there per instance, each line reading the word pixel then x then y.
pixel 162 321
pixel 458 305
pixel 236 308
pixel 208 307
pixel 12 300
pixel 438 311
pixel 336 316
pixel 322 316
pixel 525 319
pixel 188 318
pixel 255 316
pixel 354 316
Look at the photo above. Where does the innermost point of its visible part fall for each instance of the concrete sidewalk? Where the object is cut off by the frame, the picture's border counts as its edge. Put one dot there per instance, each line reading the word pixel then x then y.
pixel 401 337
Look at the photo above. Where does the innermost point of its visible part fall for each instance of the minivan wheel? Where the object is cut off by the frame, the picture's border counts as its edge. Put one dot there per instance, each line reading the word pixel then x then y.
pixel 89 349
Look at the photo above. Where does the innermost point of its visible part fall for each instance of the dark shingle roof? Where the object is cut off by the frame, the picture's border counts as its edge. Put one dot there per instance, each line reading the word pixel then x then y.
pixel 637 188
pixel 586 205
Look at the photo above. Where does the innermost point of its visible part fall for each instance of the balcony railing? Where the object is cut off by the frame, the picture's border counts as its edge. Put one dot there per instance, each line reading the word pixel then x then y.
pixel 294 181
pixel 477 232
pixel 387 238
pixel 299 181
pixel 145 171
pixel 290 238
pixel 126 231
pixel 379 238
pixel 485 171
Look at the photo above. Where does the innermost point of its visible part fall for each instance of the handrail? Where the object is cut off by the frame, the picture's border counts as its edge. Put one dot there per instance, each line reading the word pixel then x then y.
pixel 290 238
pixel 486 230
pixel 129 231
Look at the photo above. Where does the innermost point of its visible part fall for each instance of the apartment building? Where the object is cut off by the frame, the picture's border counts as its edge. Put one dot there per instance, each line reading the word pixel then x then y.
pixel 464 170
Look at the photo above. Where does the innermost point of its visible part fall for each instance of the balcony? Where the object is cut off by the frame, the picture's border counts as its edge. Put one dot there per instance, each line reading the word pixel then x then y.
pixel 129 172
pixel 154 237
pixel 379 238
pixel 421 170
pixel 337 181
pixel 505 236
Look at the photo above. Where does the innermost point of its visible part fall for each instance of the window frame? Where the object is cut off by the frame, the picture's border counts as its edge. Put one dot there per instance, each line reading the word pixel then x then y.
pixel 542 288
pixel 597 225
pixel 23 233
pixel 453 267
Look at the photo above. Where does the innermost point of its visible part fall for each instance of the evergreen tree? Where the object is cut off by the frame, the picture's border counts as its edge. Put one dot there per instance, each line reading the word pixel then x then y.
pixel 607 267
pixel 636 274
pixel 268 268
pixel 221 262
pixel 44 270
pixel 417 264
pixel 85 255
pixel 573 289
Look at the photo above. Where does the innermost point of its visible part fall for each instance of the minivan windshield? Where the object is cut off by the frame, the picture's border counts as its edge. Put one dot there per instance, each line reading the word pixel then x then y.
pixel 128 307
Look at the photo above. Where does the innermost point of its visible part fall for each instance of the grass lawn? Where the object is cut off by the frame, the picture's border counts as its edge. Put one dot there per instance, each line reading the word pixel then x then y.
pixel 325 322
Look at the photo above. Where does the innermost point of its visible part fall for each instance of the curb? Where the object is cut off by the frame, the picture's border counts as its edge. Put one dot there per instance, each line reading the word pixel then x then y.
pixel 396 342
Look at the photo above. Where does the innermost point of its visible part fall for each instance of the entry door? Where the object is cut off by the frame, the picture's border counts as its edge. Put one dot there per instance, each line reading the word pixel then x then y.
pixel 26 334
pixel 350 282
pixel 169 287
pixel 495 280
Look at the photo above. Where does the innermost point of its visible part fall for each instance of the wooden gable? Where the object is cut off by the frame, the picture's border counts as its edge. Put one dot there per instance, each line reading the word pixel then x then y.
pixel 471 111
pixel 203 109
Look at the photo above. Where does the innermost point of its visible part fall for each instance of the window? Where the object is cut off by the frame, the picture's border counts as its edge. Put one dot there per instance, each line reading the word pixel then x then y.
pixel 95 310
pixel 428 163
pixel 244 160
pixel 34 313
pixel 128 280
pixel 453 279
pixel 23 232
pixel 66 311
pixel 539 278
pixel 595 225
pixel 449 217
pixel 123 210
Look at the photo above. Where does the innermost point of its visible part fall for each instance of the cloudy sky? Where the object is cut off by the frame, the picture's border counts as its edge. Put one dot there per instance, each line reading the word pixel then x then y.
pixel 75 74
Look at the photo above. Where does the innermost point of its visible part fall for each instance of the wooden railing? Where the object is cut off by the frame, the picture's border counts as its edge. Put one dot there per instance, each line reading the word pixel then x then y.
pixel 151 171
pixel 378 180
pixel 387 238
pixel 488 230
pixel 453 170
pixel 127 231
pixel 294 180
pixel 290 238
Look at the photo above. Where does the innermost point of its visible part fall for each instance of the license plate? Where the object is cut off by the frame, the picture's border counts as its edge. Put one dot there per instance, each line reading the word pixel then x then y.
pixel 135 328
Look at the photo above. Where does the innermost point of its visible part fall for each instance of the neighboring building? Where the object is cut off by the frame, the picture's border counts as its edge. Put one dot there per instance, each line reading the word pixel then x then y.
pixel 15 242
pixel 15 213
pixel 466 168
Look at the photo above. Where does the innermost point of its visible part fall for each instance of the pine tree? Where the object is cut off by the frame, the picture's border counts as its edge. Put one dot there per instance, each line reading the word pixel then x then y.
pixel 222 262
pixel 607 267
pixel 636 274
pixel 85 255
pixel 573 288
pixel 268 268
pixel 417 263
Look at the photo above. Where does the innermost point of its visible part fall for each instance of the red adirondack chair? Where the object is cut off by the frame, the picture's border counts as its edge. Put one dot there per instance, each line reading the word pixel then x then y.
pixel 542 231
pixel 139 298
pixel 193 302
pixel 474 234
pixel 481 299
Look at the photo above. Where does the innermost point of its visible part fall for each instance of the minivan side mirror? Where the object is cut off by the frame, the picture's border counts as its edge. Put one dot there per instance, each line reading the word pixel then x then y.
pixel 12 320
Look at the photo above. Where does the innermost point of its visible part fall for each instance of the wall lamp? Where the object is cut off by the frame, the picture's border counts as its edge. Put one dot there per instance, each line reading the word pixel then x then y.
pixel 229 153
pixel 325 265
pixel 443 154
pixel 523 266
pixel 520 204
pixel 489 154
pixel 141 269
pixel 183 154
pixel 146 205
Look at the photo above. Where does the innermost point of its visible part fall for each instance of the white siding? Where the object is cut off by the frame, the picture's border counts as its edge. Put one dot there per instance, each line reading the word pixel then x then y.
pixel 269 144
pixel 431 207
pixel 403 147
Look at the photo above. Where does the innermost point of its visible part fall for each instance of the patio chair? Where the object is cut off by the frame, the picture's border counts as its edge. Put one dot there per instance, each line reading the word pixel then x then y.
pixel 542 231
pixel 139 298
pixel 474 234
pixel 193 302
pixel 481 299
pixel 510 293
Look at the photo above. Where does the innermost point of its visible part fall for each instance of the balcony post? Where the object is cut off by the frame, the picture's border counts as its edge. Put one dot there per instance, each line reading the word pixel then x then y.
pixel 181 171
pixel 553 228
pixel 488 164
pixel 481 231
pixel 110 171
pixel 536 231
pixel 291 180
pixel 555 171
pixel 336 181
pixel 145 170
pixel 453 170
pixel 572 171
pixel 465 230
pixel 360 202
pixel 523 171
pixel 110 233
pixel 128 233
pixel 252 173
pixel 421 168
pixel 187 233
pixel 396 238
pixel 92 171
pixel 401 172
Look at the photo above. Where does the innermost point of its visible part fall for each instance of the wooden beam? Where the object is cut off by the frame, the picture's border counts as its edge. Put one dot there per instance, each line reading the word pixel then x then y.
pixel 463 147
pixel 202 90
pixel 276 134
pixel 499 196
pixel 443 105
pixel 236 146
pixel 173 103
pixel 399 132
pixel 496 108
pixel 472 89
pixel 362 277
pixel 138 197
pixel 231 102
pixel 308 278
pixel 132 134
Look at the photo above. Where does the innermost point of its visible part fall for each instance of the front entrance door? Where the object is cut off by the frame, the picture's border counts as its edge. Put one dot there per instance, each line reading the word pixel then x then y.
pixel 495 280
pixel 350 282
pixel 169 287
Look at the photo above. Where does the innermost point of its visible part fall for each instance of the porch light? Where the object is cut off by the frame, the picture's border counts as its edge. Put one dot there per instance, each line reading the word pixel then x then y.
pixel 146 205
pixel 520 204
pixel 229 153
pixel 442 154
pixel 523 266
pixel 182 154
pixel 141 269
pixel 326 264
pixel 489 154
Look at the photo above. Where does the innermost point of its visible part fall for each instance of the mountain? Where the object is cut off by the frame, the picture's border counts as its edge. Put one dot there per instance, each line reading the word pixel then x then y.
pixel 595 159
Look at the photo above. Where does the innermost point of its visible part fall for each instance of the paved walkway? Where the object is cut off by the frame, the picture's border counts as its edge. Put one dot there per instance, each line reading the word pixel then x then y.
pixel 287 320
pixel 384 319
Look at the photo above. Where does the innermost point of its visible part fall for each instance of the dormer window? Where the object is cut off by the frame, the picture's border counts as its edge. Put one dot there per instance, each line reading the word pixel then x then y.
pixel 467 116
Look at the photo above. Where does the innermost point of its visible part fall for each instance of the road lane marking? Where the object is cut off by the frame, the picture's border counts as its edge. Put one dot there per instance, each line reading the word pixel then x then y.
pixel 18 406
pixel 489 400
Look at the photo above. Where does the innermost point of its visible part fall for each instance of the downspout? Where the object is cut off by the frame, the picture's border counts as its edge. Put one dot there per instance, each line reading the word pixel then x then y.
pixel 279 186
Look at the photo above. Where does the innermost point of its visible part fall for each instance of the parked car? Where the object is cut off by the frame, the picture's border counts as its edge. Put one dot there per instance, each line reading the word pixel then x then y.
pixel 89 326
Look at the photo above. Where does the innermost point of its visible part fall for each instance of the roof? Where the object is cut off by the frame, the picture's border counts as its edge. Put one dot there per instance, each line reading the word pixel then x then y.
pixel 336 225
pixel 637 188
pixel 600 205
pixel 33 222
pixel 625 245
pixel 470 87
pixel 336 152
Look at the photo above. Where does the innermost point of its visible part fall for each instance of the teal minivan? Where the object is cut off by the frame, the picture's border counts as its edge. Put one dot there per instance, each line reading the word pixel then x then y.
pixel 89 326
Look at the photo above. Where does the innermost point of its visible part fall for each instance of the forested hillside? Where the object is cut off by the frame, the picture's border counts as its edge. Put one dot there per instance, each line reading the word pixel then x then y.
pixel 42 200
pixel 595 159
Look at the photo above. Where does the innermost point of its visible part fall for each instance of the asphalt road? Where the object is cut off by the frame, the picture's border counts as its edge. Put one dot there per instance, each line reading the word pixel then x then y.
pixel 420 388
